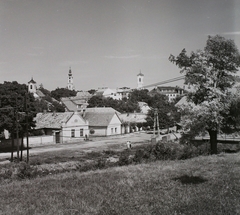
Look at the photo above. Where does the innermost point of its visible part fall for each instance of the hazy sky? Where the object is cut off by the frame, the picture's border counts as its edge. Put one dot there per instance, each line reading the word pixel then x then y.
pixel 106 42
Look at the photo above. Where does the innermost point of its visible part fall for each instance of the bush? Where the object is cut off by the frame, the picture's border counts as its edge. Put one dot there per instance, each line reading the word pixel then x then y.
pixel 166 150
pixel 125 158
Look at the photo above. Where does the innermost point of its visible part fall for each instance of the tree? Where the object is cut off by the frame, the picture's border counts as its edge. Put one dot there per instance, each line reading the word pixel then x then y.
pixel 62 92
pixel 211 74
pixel 167 113
pixel 12 106
pixel 122 106
pixel 92 91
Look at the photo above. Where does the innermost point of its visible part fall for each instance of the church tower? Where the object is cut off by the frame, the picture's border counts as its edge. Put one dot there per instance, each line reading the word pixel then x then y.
pixel 32 86
pixel 140 77
pixel 70 80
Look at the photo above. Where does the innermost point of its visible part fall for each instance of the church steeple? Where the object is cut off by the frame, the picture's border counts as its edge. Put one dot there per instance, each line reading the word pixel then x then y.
pixel 70 80
pixel 140 80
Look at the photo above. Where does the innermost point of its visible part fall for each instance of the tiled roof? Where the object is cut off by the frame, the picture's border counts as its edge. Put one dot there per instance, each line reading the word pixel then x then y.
pixel 52 120
pixel 84 95
pixel 102 110
pixel 32 81
pixel 99 116
pixel 133 117
pixel 73 103
pixel 40 93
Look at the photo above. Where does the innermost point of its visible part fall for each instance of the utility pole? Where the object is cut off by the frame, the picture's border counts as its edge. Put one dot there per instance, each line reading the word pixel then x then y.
pixel 156 123
pixel 17 135
pixel 26 110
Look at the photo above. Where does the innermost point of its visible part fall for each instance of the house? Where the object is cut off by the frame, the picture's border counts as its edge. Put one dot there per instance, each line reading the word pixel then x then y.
pixel 123 91
pixel 109 93
pixel 103 121
pixel 132 121
pixel 65 127
pixel 76 103
pixel 169 91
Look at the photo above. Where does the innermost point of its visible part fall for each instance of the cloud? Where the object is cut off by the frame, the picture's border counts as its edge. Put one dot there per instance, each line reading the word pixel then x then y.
pixel 122 57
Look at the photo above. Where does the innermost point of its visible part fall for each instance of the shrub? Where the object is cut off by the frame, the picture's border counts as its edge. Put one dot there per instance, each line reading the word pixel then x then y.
pixel 125 158
pixel 166 150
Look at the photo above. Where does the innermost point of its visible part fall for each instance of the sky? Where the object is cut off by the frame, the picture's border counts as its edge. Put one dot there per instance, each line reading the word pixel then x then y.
pixel 106 42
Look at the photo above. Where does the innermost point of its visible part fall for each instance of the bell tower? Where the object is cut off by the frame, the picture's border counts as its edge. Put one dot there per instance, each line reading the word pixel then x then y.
pixel 32 86
pixel 140 77
pixel 70 80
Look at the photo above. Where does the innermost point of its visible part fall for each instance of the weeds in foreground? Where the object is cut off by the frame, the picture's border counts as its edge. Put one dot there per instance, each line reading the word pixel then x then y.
pixel 101 160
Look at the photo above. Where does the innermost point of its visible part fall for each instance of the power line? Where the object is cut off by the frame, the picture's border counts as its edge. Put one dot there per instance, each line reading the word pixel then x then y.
pixel 165 82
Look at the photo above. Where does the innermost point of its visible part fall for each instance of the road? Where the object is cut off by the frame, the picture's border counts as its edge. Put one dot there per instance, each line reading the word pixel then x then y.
pixel 96 143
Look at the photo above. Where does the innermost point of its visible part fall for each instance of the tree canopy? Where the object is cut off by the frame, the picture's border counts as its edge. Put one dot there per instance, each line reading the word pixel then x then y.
pixel 211 73
pixel 62 92
pixel 123 106
pixel 12 106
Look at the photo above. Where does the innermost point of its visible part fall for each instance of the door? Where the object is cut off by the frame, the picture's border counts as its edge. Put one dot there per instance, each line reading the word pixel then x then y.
pixel 57 134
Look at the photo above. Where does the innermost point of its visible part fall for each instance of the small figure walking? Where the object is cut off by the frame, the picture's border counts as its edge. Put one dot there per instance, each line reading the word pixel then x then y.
pixel 129 146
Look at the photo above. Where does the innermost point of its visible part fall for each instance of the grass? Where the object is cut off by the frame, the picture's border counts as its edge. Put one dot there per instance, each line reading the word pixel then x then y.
pixel 202 185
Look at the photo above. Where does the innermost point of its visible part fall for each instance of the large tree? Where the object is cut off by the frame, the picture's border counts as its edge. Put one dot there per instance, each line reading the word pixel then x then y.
pixel 211 74
pixel 13 106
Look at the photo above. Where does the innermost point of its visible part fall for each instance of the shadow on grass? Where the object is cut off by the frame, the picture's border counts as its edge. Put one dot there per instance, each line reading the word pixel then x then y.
pixel 186 179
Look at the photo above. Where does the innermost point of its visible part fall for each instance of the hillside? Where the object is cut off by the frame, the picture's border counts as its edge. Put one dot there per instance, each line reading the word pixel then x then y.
pixel 202 185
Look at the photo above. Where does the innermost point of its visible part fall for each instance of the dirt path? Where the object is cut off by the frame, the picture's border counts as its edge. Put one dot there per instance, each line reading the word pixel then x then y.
pixel 94 144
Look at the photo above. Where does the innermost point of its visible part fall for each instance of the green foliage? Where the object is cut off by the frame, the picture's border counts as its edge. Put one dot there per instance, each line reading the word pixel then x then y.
pixel 119 105
pixel 12 101
pixel 92 91
pixel 62 92
pixel 211 75
pixel 125 158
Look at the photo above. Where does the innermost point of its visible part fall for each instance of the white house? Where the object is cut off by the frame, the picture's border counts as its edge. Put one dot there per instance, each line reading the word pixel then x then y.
pixel 104 121
pixel 107 92
pixel 65 127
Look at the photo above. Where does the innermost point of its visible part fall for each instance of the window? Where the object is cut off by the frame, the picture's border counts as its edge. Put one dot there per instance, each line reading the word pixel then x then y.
pixel 73 133
pixel 140 80
pixel 115 130
pixel 30 86
pixel 111 130
pixel 81 132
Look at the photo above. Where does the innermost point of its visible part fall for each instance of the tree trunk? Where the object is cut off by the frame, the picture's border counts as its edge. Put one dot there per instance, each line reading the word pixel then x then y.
pixel 213 141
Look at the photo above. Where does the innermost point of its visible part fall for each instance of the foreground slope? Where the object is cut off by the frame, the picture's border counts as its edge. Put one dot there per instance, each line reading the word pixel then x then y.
pixel 203 185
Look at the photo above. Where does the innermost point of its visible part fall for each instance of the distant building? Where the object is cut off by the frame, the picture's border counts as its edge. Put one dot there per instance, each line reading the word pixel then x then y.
pixel 123 91
pixel 109 93
pixel 169 91
pixel 70 80
pixel 140 77
pixel 76 103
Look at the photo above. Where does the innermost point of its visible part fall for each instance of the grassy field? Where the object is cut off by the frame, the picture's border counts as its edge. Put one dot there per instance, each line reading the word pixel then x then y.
pixel 202 185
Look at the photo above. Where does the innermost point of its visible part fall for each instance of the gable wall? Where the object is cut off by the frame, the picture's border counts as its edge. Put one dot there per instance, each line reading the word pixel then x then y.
pixel 75 123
